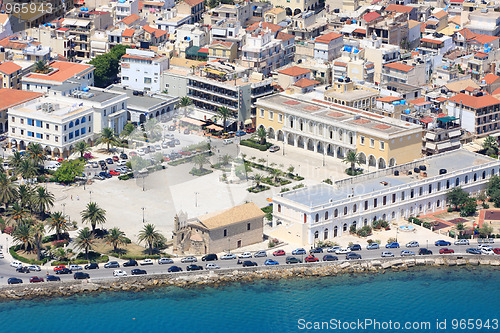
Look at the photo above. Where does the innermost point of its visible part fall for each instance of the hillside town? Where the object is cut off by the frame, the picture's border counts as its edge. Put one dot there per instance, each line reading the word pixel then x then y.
pixel 176 129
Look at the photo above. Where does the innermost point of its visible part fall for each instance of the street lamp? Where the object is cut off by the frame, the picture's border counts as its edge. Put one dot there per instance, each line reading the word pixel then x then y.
pixel 143 209
pixel 283 147
pixel 90 192
pixel 196 199
pixel 64 208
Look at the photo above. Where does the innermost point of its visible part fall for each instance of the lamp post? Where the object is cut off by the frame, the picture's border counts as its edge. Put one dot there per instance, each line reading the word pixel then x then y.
pixel 90 192
pixel 283 147
pixel 143 209
pixel 64 208
pixel 196 199
pixel 323 158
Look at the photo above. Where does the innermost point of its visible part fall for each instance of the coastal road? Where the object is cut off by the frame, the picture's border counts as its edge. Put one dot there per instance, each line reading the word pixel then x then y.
pixel 6 271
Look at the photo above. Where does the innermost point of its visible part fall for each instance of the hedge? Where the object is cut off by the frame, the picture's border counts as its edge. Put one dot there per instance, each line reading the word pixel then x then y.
pixel 16 256
pixel 155 256
pixel 126 176
pixel 102 259
pixel 253 144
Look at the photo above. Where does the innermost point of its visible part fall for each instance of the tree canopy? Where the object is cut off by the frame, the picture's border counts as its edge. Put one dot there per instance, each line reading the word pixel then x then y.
pixel 68 171
pixel 107 66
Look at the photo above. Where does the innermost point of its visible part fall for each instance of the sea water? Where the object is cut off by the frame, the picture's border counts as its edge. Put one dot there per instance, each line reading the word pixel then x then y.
pixel 460 299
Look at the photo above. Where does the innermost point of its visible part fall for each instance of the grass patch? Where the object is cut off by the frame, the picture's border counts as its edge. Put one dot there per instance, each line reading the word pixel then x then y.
pixel 260 188
pixel 269 211
pixel 355 173
pixel 27 258
pixel 200 172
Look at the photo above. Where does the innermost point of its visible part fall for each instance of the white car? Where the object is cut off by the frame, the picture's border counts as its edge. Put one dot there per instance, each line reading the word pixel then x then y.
pixel 484 246
pixel 16 264
pixel 75 267
pixel 343 250
pixel 387 254
pixel 412 244
pixel 485 250
pixel 462 242
pixel 146 262
pixel 189 259
pixel 162 261
pixel 245 255
pixel 34 268
pixel 212 266
pixel 141 152
pixel 333 249
pixel 121 163
pixel 227 256
pixel 119 272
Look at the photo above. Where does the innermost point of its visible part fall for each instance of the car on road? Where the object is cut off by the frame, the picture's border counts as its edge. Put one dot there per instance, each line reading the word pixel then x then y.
pixel 23 269
pixel 496 250
pixel 14 280
pixel 35 268
pixel 81 276
pixel 355 247
pixel 194 268
pixel 92 265
pixel 189 259
pixel 293 260
pixel 174 269
pixel 138 271
pixel 227 141
pixel 462 242
pixel 59 267
pixel 316 250
pixel 343 250
pixel 209 257
pixel 483 246
pixel 240 133
pixel 333 249
pixel 274 149
pixel 112 264
pixel 442 243
pixel 407 253
pixel 412 244
pixel 311 259
pixel 487 251
pixel 64 271
pixel 392 245
pixel 119 272
pixel 423 251
pixel 75 267
pixel 163 261
pixel 130 263
pixel 271 262
pixel 446 250
pixel 52 278
pixel 473 251
pixel 16 264
pixel 146 262
pixel 212 266
pixel 227 256
pixel 279 253
pixel 260 254
pixel 245 255
pixel 352 255
pixel 121 163
pixel 372 246
pixel 299 252
pixel 329 257
pixel 248 263
pixel 36 279
pixel 387 254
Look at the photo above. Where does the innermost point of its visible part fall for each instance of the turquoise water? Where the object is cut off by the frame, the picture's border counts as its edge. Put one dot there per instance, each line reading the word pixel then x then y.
pixel 426 295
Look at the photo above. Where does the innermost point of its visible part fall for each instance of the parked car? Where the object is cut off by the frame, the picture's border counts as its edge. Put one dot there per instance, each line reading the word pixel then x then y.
pixel 146 262
pixel 119 272
pixel 16 264
pixel 333 249
pixel 36 279
pixel 423 251
pixel 352 255
pixel 271 262
pixel 14 280
pixel 81 276
pixel 343 250
pixel 123 156
pixel 260 254
pixel 92 265
pixel 209 257
pixel 115 158
pixel 387 254
pixel 113 172
pixel 245 255
pixel 274 149
pixel 392 245
pixel 23 269
pixel 162 261
pixel 293 260
pixel 35 268
pixel 372 246
pixel 462 242
pixel 473 251
pixel 487 251
pixel 109 160
pixel 58 267
pixel 329 257
pixel 64 271
pixel 137 271
pixel 496 250
pixel 484 246
pixel 173 269
pixel 248 263
pixel 112 264
pixel 52 278
pixel 240 133
pixel 212 266
pixel 129 263
pixel 227 141
pixel 412 244
pixel 442 243
pixel 228 256
pixel 194 267
pixel 279 253
pixel 355 247
pixel 316 250
pixel 250 130
pixel 446 250
pixel 189 259
pixel 75 267
pixel 407 253
pixel 187 131
pixel 299 252
pixel 311 258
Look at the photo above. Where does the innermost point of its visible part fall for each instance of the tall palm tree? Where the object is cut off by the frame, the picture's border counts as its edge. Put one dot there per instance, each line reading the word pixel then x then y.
pixel 226 159
pixel 276 174
pixel 257 178
pixel 22 234
pixel 352 158
pixel 491 145
pixel 108 137
pixel 36 153
pixel 37 233
pixel 43 200
pixel 27 169
pixel 82 148
pixel 8 190
pixel 222 114
pixel 58 222
pixel 25 195
pixel 85 241
pixel 200 160
pixel 93 214
pixel 185 101
pixel 115 237
pixel 151 236
pixel 41 67
pixel 193 68
pixel 15 159
pixel 262 135
pixel 17 212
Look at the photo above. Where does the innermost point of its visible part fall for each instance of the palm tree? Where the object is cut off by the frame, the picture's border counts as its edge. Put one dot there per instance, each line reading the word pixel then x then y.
pixel 151 236
pixel 185 101
pixel 223 113
pixel 41 67
pixel 115 237
pixel 17 212
pixel 58 222
pixel 193 68
pixel 27 169
pixel 85 240
pixel 81 147
pixel 353 159
pixel 15 159
pixel 490 144
pixel 257 178
pixel 200 160
pixel 226 159
pixel 108 137
pixel 36 153
pixel 43 200
pixel 25 195
pixel 8 190
pixel 22 234
pixel 276 174
pixel 291 169
pixel 37 234
pixel 262 135
pixel 94 215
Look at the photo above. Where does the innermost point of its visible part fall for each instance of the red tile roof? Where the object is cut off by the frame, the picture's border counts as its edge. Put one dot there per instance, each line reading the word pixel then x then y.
pixel 13 97
pixel 484 39
pixel 468 35
pixel 440 14
pixel 481 55
pixel 327 38
pixel 360 31
pixel 9 67
pixel 128 32
pixel 368 17
pixel 193 3
pixel 265 25
pixel 441 99
pixel 284 36
pixel 473 101
pixel 490 78
pixel 427 120
pixel 496 92
pixel 432 41
pixel 389 99
pixel 130 19
pixel 62 29
pixel 157 32
pixel 12 44
pixel 66 70
pixel 294 71
pixel 398 8
pixel 417 101
pixel 304 83
pixel 399 66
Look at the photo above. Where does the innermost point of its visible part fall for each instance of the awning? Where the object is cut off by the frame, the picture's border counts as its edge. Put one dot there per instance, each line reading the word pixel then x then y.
pixel 193 51
pixel 215 127
pixel 427 120
pixel 454 133
pixel 213 71
pixel 444 145
pixel 192 121
pixel 249 122
pixel 430 145
pixel 348 29
pixel 447 119
pixel 430 136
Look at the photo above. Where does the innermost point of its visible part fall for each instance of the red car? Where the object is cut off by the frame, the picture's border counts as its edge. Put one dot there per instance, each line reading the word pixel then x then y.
pixel 279 253
pixel 446 250
pixel 36 279
pixel 187 153
pixel 250 130
pixel 114 172
pixel 115 158
pixel 311 259
pixel 132 153
pixel 496 250
pixel 60 159
pixel 58 268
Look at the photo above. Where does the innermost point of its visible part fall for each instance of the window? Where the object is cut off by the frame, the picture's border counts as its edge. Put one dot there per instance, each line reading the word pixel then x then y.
pixel 77 122
pixel 372 143
pixel 39 135
pixel 362 140
pixel 412 193
pixel 89 119
pixel 420 191
pixel 384 200
pixel 22 120
pixel 457 181
pixel 354 208
pixel 336 213
pixel 326 215
pixel 225 232
pixel 271 115
pixel 71 135
pixel 382 145
pixel 280 117
pixel 31 134
pixel 248 226
pixel 466 179
pixel 83 130
pixel 402 196
pixel 345 210
pixel 47 126
pixel 393 197
pixel 14 120
pixel 375 203
pixel 366 205
pixel 56 127
pixel 77 133
pixel 47 137
pixel 147 80
pixel 316 218
pixel 279 208
pixel 13 130
pixel 439 186
pixel 261 113
pixel 430 188
pixel 475 176
pixel 22 132
pixel 125 78
pixel 71 124
pixel 38 123
pixel 30 122
pixel 484 174
pixel 448 184
pixel 316 233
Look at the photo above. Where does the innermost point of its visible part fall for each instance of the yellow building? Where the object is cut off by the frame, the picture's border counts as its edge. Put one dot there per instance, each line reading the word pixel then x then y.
pixel 275 15
pixel 344 93
pixel 227 51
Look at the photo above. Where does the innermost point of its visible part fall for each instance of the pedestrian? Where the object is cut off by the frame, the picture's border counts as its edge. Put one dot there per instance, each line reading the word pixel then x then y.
pixel 77 197
pixel 72 197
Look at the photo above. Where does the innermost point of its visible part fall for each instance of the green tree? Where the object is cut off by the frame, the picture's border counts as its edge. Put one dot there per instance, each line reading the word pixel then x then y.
pixel 115 237
pixel 8 190
pixel 82 148
pixel 37 233
pixel 457 197
pixel 150 236
pixel 68 171
pixel 107 137
pixel 36 153
pixel 490 145
pixel 257 178
pixel 352 158
pixel 43 200
pixel 41 67
pixel 200 160
pixel 493 190
pixel 469 207
pixel 138 163
pixel 27 169
pixel 17 212
pixel 85 241
pixel 460 227
pixel 58 222
pixel 485 230
pixel 184 101
pixel 22 234
pixel 226 159
pixel 25 195
pixel 15 160
pixel 94 215
pixel 291 169
pixel 276 174
pixel 222 114
pixel 127 129
pixel 262 135
pixel 107 66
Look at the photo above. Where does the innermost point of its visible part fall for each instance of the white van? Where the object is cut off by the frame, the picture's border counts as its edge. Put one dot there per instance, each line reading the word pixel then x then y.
pixel 227 141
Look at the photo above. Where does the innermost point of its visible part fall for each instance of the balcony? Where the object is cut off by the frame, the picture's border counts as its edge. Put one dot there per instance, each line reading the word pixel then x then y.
pixel 214 92
pixel 207 101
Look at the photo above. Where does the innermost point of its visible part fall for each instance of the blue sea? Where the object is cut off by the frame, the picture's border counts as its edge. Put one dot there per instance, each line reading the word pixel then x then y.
pixel 460 299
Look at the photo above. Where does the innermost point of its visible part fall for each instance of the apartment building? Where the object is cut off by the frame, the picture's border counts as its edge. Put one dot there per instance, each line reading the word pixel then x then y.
pixel 326 212
pixel 10 98
pixel 239 12
pixel 141 70
pixel 391 30
pixel 262 52
pixel 289 76
pixel 328 46
pixel 21 47
pixel 296 7
pixel 10 75
pixel 226 51
pixel 125 8
pixel 404 73
pixel 436 44
pixel 194 8
pixel 379 54
pixel 344 92
pixel 307 25
pixel 444 135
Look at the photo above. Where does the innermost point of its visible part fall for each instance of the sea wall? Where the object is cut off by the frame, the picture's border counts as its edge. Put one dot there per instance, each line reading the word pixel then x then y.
pixel 225 276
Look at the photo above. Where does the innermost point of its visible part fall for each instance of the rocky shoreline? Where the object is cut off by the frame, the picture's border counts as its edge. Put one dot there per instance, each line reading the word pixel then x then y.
pixel 227 276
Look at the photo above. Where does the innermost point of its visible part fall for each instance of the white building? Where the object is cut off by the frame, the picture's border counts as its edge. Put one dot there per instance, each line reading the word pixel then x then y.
pixel 193 32
pixel 141 70
pixel 328 47
pixel 124 8
pixel 5 27
pixel 324 212
pixel 262 51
